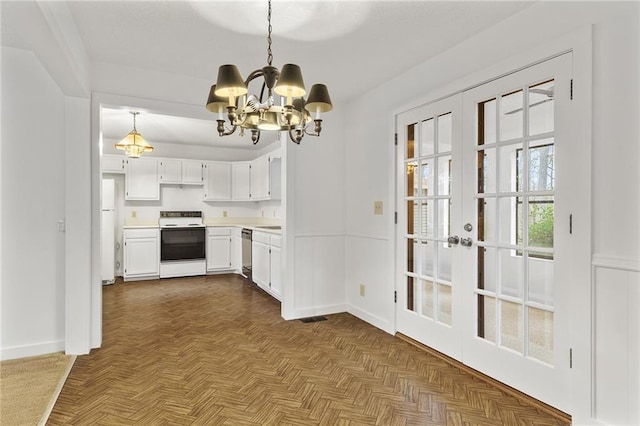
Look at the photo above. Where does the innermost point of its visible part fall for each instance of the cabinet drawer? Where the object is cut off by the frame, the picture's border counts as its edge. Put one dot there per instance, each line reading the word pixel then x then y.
pixel 212 231
pixel 141 233
pixel 275 240
pixel 261 237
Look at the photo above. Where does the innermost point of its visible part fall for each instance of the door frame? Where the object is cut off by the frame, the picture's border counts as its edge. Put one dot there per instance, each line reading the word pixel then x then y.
pixel 580 43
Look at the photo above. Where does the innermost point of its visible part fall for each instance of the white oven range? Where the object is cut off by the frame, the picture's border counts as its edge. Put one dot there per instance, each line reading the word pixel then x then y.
pixel 182 244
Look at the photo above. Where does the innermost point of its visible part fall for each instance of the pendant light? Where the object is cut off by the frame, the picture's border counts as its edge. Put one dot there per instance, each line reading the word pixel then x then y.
pixel 261 113
pixel 134 144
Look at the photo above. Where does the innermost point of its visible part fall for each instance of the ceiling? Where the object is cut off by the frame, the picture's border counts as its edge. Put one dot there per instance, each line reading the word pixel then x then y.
pixel 351 46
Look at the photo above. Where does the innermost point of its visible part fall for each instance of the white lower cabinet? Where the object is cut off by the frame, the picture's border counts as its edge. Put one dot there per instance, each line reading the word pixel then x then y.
pixel 265 262
pixel 218 249
pixel 141 254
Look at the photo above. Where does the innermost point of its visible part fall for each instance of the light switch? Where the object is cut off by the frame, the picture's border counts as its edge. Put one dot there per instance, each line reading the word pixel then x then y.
pixel 377 207
pixel 362 290
pixel 224 213
pixel 134 214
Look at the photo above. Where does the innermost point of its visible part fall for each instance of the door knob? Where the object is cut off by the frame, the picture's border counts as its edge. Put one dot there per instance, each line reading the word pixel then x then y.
pixel 466 242
pixel 453 240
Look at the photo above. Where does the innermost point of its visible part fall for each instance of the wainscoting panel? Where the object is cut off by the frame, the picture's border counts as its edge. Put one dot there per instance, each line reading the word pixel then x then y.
pixel 616 341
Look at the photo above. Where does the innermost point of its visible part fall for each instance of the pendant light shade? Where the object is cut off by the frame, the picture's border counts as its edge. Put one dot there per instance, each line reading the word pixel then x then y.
pixel 215 103
pixel 230 83
pixel 290 83
pixel 134 145
pixel 319 100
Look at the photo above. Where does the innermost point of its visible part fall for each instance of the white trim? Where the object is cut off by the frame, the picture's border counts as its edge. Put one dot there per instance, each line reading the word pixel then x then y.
pixel 372 319
pixel 602 261
pixel 36 349
pixel 316 311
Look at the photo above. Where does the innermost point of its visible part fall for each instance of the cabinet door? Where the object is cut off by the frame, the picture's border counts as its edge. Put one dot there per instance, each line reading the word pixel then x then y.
pixel 276 272
pixel 260 178
pixel 141 182
pixel 113 163
pixel 218 252
pixel 241 181
pixel 236 249
pixel 260 264
pixel 170 171
pixel 141 257
pixel 192 172
pixel 217 181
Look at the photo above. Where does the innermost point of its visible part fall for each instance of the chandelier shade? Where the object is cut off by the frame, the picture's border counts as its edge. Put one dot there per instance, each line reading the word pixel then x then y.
pixel 263 112
pixel 134 145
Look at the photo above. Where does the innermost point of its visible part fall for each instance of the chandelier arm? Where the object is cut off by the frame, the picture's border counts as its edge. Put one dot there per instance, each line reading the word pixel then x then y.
pixel 298 136
pixel 255 74
pixel 255 136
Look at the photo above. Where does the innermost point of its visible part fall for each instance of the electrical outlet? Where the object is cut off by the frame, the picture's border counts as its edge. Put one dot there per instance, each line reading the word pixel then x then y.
pixel 274 213
pixel 262 213
pixel 377 207
pixel 134 214
pixel 224 213
pixel 362 290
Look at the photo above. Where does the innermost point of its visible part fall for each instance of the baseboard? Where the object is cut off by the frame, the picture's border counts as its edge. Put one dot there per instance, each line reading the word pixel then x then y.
pixel 316 311
pixel 374 320
pixel 503 387
pixel 16 352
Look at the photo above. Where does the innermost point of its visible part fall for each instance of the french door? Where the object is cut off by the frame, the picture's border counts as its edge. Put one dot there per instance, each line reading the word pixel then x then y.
pixel 483 244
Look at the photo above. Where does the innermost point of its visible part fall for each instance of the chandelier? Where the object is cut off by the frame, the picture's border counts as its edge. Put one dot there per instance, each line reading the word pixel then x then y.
pixel 258 113
pixel 134 144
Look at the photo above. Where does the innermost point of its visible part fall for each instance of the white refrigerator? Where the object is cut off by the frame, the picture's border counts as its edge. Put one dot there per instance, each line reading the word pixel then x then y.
pixel 108 231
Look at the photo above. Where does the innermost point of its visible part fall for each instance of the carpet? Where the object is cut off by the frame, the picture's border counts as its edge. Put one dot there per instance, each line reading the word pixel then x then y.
pixel 30 386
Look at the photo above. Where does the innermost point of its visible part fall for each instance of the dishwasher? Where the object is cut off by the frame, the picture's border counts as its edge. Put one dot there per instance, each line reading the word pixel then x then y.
pixel 246 252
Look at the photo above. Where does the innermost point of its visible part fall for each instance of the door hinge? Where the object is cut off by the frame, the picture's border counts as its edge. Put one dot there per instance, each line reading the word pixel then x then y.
pixel 570 224
pixel 396 139
pixel 395 296
pixel 570 357
pixel 571 89
pixel 395 217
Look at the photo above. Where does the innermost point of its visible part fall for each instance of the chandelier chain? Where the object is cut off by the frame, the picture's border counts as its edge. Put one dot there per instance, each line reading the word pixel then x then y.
pixel 269 54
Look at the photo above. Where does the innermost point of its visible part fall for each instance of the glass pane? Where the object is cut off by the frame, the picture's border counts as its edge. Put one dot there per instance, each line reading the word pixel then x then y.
pixel 426 178
pixel 444 133
pixel 540 274
pixel 541 108
pixel 511 273
pixel 487 171
pixel 511 115
pixel 444 175
pixel 412 179
pixel 487 317
pixel 427 298
pixel 412 251
pixel 427 255
pixel 487 215
pixel 410 146
pixel 487 122
pixel 487 278
pixel 444 262
pixel 444 218
pixel 541 165
pixel 510 220
pixel 540 335
pixel 412 217
pixel 444 304
pixel 411 294
pixel 427 138
pixel 541 222
pixel 511 326
pixel 510 168
pixel 426 218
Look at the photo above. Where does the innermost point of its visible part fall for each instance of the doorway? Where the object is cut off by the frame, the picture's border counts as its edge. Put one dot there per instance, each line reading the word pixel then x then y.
pixel 481 192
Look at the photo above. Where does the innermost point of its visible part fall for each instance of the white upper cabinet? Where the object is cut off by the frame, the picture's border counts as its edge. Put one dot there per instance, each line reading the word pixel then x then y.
pixel 241 181
pixel 170 171
pixel 260 178
pixel 141 182
pixel 113 163
pixel 192 172
pixel 217 181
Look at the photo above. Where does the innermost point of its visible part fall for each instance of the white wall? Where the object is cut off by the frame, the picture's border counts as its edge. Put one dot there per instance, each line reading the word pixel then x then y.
pixel 33 201
pixel 616 197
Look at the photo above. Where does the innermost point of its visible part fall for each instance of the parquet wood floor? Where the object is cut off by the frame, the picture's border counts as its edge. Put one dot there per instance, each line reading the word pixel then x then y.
pixel 215 351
